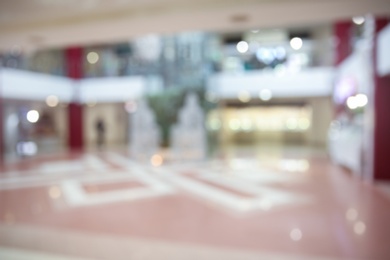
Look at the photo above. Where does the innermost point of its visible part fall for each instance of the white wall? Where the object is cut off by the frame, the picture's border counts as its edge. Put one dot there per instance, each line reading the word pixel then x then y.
pixel 27 85
pixel 383 53
pixel 322 115
pixel 118 89
pixel 33 86
pixel 307 83
pixel 357 66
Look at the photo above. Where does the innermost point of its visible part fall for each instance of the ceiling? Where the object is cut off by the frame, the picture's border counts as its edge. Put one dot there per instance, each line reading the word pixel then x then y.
pixel 35 24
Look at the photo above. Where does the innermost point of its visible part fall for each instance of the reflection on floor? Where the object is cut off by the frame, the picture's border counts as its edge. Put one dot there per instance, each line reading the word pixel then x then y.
pixel 107 206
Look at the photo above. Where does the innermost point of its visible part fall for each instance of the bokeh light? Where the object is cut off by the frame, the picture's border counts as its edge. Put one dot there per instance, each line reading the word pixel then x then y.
pixel 32 116
pixel 242 47
pixel 92 57
pixel 296 234
pixel 358 20
pixel 361 100
pixel 265 94
pixel 244 96
pixel 52 101
pixel 359 228
pixel 156 160
pixel 296 43
pixel 351 214
pixel 131 106
pixel 54 192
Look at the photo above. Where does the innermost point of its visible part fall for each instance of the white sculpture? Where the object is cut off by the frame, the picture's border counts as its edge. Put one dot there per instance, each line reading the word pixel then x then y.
pixel 144 132
pixel 188 136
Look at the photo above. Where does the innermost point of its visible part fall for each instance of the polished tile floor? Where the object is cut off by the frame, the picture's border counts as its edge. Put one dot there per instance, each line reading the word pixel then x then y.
pixel 269 204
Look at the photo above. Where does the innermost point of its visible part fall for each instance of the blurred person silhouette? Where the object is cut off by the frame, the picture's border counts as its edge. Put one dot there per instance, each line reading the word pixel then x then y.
pixel 100 129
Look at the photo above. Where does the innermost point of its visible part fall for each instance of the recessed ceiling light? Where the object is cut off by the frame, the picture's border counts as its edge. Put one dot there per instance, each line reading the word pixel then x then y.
pixel 52 101
pixel 296 43
pixel 92 57
pixel 358 20
pixel 33 116
pixel 242 47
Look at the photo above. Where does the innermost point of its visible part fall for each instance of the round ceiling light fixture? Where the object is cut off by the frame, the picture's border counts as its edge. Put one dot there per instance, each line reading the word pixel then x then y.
pixel 242 47
pixel 296 43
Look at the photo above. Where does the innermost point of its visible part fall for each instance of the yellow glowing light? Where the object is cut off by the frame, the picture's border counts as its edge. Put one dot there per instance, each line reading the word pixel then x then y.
pixel 156 160
pixel 215 124
pixel 303 165
pixel 294 165
pixel 262 124
pixel 54 192
pixel 292 123
pixel 91 103
pixel 234 124
pixel 244 96
pixel 246 124
pixel 92 57
pixel 303 123
pixel 52 101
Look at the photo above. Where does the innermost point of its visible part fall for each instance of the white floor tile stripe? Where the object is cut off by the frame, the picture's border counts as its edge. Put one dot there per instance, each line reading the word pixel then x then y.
pixel 8 253
pixel 99 246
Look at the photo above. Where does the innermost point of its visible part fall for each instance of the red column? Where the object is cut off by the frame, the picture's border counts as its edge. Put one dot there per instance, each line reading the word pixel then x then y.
pixel 2 152
pixel 74 70
pixel 343 33
pixel 382 115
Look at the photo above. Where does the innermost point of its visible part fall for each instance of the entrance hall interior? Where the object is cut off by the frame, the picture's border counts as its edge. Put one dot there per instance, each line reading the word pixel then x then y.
pixel 194 129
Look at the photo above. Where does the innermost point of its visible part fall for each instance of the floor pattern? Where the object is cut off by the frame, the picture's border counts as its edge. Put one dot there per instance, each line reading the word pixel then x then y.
pixel 107 206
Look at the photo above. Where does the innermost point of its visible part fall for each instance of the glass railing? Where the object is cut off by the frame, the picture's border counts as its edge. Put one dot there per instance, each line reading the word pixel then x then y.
pixel 181 59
